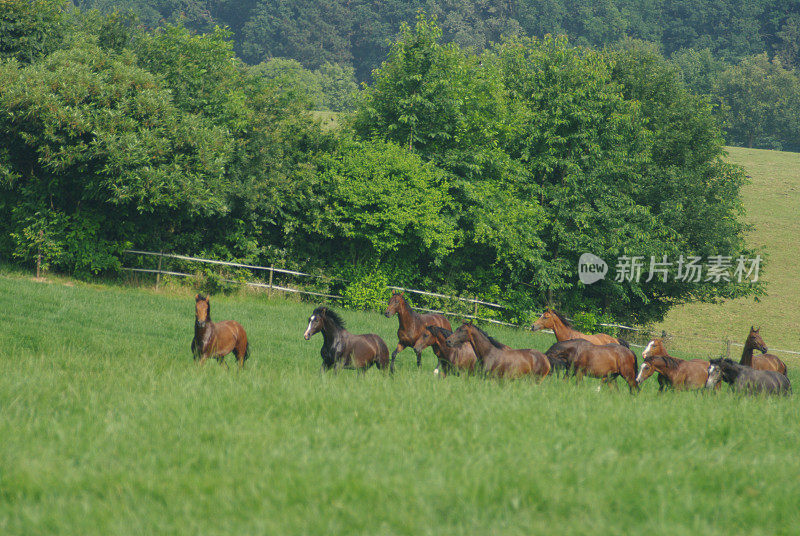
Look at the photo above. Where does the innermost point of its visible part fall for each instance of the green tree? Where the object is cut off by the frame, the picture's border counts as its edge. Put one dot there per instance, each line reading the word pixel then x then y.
pixel 763 103
pixel 30 29
pixel 96 141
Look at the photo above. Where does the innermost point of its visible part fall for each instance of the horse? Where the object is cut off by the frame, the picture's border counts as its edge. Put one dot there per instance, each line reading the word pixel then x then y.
pixel 342 349
pixel 563 330
pixel 606 362
pixel 498 359
pixel 217 339
pixel 679 373
pixel 562 354
pixel 461 357
pixel 762 362
pixel 746 379
pixel 412 324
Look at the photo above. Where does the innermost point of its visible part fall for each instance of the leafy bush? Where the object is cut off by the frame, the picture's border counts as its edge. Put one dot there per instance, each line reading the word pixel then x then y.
pixel 368 291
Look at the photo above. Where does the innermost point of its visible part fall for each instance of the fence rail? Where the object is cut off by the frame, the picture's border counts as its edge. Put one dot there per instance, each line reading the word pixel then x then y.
pixel 274 287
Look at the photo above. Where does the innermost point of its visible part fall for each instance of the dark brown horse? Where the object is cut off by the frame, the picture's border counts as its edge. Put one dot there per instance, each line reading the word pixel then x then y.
pixel 679 373
pixel 498 359
pixel 564 331
pixel 747 380
pixel 217 339
pixel 461 357
pixel 412 324
pixel 562 355
pixel 606 362
pixel 761 362
pixel 342 349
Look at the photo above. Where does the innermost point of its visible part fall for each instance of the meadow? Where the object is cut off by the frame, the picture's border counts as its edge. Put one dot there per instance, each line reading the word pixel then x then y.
pixel 108 427
pixel 772 202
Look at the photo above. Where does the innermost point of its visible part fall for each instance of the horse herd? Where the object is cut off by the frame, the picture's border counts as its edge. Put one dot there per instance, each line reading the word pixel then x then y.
pixel 472 350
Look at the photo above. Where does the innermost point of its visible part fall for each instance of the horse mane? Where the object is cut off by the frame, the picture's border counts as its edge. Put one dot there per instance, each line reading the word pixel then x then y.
pixel 495 342
pixel 330 314
pixel 438 329
pixel 670 361
pixel 729 364
pixel 562 318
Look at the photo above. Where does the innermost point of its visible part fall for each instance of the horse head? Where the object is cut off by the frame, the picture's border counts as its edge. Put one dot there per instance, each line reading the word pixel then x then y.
pixel 546 321
pixel 202 309
pixel 459 336
pixel 395 302
pixel 754 340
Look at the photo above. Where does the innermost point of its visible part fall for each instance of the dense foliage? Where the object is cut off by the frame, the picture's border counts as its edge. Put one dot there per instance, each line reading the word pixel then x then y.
pixel 462 170
pixel 346 38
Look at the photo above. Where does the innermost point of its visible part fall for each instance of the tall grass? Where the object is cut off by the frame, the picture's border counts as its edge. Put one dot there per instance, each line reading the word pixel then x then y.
pixel 108 427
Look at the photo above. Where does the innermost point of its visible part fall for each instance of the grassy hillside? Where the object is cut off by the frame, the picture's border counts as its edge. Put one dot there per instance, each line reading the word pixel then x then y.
pixel 773 207
pixel 108 427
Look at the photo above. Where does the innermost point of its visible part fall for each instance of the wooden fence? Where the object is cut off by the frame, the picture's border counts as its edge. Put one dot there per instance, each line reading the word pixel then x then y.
pixel 271 286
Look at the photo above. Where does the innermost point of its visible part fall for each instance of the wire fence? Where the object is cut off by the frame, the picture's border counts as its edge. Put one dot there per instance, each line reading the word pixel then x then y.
pixel 636 336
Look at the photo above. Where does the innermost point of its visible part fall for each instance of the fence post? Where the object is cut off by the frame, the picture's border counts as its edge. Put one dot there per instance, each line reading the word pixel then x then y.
pixel 727 347
pixel 271 271
pixel 158 274
pixel 475 309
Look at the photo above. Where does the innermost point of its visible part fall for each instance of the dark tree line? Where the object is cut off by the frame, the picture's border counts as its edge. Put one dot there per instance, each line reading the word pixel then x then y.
pixel 747 41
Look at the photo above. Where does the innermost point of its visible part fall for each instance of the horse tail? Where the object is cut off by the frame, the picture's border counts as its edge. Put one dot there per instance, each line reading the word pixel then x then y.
pixel 623 342
pixel 246 352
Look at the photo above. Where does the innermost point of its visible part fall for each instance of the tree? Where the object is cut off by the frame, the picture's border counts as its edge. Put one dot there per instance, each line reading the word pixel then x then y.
pixel 553 151
pixel 763 101
pixel 30 29
pixel 95 142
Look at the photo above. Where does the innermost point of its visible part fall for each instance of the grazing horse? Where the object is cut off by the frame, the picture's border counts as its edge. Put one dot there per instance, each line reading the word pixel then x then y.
pixel 746 379
pixel 498 359
pixel 679 373
pixel 762 362
pixel 412 324
pixel 562 354
pixel 342 349
pixel 563 330
pixel 217 339
pixel 606 362
pixel 461 357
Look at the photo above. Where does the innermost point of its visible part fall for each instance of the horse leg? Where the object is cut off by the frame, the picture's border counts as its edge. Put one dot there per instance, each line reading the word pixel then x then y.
pixel 578 375
pixel 419 357
pixel 612 381
pixel 222 362
pixel 397 350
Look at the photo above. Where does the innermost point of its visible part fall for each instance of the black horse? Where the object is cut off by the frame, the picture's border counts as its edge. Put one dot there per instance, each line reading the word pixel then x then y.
pixel 745 379
pixel 342 349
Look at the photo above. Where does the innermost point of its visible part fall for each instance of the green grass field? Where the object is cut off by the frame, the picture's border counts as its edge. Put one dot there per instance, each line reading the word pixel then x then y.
pixel 108 427
pixel 772 200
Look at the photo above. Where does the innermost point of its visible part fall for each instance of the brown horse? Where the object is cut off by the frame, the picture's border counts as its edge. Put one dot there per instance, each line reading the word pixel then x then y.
pixel 217 339
pixel 679 373
pixel 462 357
pixel 762 362
pixel 606 362
pixel 412 324
pixel 498 359
pixel 564 331
pixel 342 349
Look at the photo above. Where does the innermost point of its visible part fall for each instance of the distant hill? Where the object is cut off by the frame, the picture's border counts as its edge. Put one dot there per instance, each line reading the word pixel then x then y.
pixel 771 200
